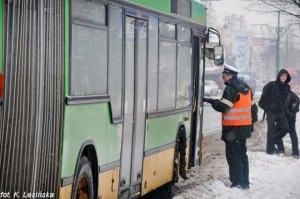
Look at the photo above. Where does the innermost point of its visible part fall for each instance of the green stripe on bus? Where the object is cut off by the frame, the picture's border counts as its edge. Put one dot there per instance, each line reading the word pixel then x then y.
pixel 198 12
pixel 89 122
pixel 161 5
pixel 163 130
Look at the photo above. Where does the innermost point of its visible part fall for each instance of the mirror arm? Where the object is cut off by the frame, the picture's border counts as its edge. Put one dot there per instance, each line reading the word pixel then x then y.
pixel 212 30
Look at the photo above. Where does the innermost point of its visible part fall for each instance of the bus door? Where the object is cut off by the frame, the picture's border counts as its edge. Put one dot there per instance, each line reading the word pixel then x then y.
pixel 134 106
pixel 197 111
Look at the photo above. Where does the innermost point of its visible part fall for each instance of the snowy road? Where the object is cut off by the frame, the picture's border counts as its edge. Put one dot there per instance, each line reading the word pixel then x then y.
pixel 271 176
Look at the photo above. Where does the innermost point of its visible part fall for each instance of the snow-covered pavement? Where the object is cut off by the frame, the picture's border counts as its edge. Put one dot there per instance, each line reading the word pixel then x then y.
pixel 271 176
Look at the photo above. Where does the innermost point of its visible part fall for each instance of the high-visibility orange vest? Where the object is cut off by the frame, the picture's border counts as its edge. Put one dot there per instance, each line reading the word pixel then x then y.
pixel 240 113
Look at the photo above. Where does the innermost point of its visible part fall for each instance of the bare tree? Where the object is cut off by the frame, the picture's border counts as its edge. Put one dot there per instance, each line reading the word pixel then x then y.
pixel 235 22
pixel 297 2
pixel 288 7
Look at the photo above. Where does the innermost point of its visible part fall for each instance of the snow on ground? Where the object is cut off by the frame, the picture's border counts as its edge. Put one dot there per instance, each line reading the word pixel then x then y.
pixel 271 176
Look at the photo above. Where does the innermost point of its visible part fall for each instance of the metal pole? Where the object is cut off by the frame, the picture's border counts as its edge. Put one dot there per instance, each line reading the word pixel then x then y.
pixel 286 63
pixel 277 45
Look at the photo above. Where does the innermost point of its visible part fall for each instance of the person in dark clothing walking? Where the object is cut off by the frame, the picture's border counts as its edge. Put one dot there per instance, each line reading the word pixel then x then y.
pixel 273 102
pixel 235 106
pixel 254 112
pixel 292 109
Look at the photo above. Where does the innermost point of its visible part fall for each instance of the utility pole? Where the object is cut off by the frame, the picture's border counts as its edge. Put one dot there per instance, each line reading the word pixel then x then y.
pixel 280 33
pixel 278 45
pixel 286 51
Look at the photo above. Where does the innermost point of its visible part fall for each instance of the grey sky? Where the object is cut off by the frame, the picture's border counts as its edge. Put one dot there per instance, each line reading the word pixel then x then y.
pixel 239 7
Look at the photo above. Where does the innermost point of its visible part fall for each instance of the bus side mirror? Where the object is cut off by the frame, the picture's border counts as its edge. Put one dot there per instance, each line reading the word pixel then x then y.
pixel 218 55
pixel 210 50
pixel 213 48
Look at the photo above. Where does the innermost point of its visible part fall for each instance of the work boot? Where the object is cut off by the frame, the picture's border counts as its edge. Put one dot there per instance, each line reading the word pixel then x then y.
pixel 280 149
pixel 235 185
pixel 246 186
pixel 280 146
pixel 183 175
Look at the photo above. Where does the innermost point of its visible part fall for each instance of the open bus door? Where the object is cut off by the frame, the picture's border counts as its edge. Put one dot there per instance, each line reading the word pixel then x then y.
pixel 212 50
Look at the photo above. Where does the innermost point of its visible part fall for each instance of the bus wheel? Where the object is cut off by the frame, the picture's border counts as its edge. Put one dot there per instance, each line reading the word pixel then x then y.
pixel 83 186
pixel 171 189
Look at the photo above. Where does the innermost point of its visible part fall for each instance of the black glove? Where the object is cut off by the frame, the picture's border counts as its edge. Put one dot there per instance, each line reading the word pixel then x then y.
pixel 208 100
pixel 254 111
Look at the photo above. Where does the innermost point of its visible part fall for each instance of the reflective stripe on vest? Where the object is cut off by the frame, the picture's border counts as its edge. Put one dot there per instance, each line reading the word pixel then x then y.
pixel 240 113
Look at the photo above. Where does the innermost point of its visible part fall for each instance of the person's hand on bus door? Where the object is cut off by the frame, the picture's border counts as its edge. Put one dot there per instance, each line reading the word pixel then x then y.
pixel 208 100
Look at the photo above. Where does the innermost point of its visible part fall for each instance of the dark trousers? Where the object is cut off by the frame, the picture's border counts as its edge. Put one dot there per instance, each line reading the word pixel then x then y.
pixel 278 127
pixel 293 135
pixel 236 155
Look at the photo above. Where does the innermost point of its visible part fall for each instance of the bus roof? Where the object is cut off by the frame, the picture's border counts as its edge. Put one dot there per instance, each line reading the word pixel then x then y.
pixel 192 9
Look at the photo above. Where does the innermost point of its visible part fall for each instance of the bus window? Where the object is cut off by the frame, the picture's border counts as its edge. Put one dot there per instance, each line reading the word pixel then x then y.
pixel 115 71
pixel 89 61
pixel 167 75
pixel 152 64
pixel 184 67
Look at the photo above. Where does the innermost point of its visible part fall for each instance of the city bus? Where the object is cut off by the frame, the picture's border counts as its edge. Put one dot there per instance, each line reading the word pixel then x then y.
pixel 100 99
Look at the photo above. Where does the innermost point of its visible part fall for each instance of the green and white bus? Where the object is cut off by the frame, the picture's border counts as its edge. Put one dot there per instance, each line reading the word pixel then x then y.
pixel 99 96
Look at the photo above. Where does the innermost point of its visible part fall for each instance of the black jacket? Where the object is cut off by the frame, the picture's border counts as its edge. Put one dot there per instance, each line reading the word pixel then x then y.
pixel 275 94
pixel 231 93
pixel 292 106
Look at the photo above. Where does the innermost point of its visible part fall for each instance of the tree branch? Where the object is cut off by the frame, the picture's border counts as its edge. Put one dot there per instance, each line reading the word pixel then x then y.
pixel 297 2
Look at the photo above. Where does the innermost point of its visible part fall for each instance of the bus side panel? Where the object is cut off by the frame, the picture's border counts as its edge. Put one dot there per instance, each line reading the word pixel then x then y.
pixel 158 170
pixel 161 5
pixel 65 192
pixel 163 130
pixel 109 183
pixel 161 138
pixel 89 122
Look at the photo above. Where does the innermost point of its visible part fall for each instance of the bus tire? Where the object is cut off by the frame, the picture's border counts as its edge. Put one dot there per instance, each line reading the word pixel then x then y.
pixel 83 186
pixel 171 189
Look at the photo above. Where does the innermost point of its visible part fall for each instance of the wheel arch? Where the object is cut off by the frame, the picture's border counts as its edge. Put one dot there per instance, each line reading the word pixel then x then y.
pixel 181 126
pixel 88 149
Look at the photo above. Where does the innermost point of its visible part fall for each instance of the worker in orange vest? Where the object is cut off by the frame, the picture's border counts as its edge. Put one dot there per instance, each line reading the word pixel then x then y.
pixel 235 106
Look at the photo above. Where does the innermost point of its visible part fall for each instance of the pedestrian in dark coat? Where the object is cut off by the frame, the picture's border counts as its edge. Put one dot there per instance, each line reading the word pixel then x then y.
pixel 273 102
pixel 292 109
pixel 235 106
pixel 254 112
